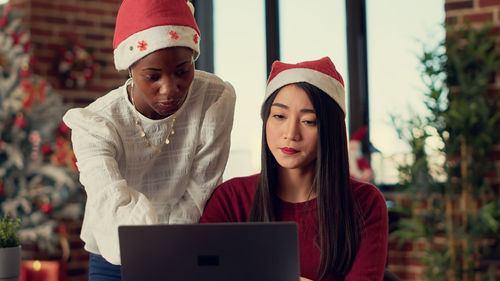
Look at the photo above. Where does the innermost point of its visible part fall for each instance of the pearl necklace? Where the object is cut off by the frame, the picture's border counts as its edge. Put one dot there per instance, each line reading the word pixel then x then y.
pixel 141 130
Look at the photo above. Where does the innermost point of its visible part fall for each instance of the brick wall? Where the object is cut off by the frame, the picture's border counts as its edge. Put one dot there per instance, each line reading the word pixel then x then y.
pixel 55 24
pixel 403 259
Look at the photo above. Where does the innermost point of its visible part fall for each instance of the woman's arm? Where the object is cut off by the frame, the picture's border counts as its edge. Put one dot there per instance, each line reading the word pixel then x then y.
pixel 370 261
pixel 212 152
pixel 110 201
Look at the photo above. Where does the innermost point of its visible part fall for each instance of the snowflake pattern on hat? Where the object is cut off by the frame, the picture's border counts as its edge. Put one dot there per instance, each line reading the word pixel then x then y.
pixel 173 35
pixel 142 45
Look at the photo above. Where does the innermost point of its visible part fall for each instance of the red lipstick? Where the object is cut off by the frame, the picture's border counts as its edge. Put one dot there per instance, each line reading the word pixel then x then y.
pixel 288 150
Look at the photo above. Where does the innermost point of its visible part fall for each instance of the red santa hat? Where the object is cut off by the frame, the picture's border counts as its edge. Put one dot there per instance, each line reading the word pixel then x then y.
pixel 359 133
pixel 320 73
pixel 144 26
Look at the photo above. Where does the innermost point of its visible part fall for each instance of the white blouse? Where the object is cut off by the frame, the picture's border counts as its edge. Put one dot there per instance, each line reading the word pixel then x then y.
pixel 128 183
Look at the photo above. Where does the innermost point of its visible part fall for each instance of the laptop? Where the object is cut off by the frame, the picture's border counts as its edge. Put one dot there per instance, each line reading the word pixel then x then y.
pixel 210 252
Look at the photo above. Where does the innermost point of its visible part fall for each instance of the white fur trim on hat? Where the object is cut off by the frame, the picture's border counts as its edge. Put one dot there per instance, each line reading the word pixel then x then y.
pixel 325 82
pixel 191 7
pixel 142 43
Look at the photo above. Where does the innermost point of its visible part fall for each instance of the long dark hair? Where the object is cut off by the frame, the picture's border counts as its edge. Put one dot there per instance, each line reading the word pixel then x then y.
pixel 339 216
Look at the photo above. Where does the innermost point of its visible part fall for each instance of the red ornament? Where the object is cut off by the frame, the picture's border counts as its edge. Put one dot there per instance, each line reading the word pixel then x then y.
pixel 60 158
pixel 2 189
pixel 46 208
pixel 60 142
pixel 27 46
pixel 62 230
pixel 16 37
pixel 26 69
pixel 46 149
pixel 63 129
pixel 24 72
pixel 3 22
pixel 20 121
pixel 73 163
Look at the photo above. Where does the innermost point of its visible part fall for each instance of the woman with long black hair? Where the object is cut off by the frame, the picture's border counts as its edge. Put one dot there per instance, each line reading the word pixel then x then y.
pixel 342 223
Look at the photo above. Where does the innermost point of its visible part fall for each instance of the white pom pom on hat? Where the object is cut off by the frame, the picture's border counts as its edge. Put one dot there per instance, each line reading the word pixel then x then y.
pixel 145 26
pixel 320 73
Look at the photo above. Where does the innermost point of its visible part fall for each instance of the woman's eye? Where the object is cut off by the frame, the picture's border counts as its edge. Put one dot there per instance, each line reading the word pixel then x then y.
pixel 310 122
pixel 180 72
pixel 278 116
pixel 153 77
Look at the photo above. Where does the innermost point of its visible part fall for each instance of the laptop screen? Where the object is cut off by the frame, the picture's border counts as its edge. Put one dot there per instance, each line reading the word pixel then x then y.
pixel 210 252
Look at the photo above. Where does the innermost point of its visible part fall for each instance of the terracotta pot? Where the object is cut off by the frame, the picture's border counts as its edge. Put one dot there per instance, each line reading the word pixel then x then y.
pixel 10 263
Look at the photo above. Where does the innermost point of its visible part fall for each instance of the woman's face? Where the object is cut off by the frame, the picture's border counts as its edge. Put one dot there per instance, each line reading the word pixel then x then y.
pixel 162 81
pixel 291 129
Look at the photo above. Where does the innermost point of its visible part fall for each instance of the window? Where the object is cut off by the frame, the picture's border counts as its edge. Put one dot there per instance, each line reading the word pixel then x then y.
pixel 240 58
pixel 311 30
pixel 397 31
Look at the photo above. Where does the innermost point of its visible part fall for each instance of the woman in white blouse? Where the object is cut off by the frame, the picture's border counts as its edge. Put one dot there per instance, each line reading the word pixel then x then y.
pixel 152 150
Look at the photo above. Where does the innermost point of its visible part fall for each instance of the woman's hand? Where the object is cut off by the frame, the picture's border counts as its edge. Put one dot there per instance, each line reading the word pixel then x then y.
pixel 304 279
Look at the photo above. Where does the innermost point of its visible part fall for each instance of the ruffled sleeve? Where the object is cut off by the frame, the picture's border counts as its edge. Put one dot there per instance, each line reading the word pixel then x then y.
pixel 212 151
pixel 98 148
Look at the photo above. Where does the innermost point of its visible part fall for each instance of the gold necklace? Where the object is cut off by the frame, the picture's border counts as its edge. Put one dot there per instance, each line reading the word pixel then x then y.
pixel 143 134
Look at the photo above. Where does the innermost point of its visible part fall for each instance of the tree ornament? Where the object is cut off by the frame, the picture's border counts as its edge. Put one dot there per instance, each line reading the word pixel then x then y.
pixel 20 121
pixel 46 149
pixel 46 208
pixel 35 138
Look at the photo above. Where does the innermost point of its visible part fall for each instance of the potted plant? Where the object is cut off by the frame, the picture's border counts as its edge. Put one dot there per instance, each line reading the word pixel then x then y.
pixel 10 249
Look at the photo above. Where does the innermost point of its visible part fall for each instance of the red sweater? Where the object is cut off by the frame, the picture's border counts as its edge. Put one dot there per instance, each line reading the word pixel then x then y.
pixel 231 202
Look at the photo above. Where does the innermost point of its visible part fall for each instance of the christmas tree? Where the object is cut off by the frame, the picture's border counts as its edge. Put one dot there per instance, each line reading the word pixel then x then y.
pixel 38 178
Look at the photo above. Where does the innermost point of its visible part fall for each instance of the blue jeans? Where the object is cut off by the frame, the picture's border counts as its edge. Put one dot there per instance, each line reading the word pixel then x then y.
pixel 102 270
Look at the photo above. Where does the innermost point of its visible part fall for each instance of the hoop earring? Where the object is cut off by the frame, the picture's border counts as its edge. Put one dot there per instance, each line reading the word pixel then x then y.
pixel 130 82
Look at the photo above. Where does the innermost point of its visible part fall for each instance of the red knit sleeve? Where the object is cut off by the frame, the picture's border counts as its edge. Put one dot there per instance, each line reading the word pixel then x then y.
pixel 218 207
pixel 371 258
pixel 231 201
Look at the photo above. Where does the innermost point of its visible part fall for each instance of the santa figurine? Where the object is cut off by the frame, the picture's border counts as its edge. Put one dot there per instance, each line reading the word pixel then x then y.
pixel 359 166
